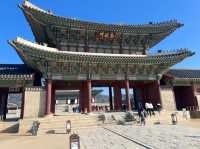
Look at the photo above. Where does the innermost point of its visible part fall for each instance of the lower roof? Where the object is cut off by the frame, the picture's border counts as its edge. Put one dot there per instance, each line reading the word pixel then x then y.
pixel 184 73
pixel 27 49
pixel 16 72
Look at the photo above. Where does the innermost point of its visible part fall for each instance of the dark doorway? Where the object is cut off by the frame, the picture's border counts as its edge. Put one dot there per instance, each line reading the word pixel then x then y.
pixel 3 103
pixel 137 98
pixel 185 98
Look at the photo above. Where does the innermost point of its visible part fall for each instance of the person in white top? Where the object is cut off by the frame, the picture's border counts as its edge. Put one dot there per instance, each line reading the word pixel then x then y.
pixel 151 108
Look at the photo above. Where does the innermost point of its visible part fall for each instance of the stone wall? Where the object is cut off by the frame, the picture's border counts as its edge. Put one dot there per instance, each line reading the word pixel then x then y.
pixel 167 98
pixel 34 102
pixel 198 100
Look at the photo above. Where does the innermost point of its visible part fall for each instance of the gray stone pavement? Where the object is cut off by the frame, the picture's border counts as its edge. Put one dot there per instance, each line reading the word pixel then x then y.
pixel 99 138
pixel 162 136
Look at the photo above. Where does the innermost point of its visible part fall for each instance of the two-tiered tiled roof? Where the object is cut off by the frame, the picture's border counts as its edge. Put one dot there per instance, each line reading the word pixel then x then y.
pixel 54 62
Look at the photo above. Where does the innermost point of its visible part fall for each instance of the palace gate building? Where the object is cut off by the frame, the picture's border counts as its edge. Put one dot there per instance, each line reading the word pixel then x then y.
pixel 69 54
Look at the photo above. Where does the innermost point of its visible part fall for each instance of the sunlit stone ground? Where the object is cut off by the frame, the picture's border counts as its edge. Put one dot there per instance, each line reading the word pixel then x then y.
pixel 162 136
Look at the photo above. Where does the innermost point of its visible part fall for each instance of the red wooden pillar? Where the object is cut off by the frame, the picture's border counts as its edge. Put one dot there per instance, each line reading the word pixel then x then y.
pixel 87 96
pixel 117 98
pixel 23 103
pixel 128 101
pixel 48 96
pixel 159 94
pixel 110 98
pixel 53 100
pixel 81 101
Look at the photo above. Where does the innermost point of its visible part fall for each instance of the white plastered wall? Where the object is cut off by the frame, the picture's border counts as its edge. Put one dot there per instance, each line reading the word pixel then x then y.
pixel 198 100
pixel 34 102
pixel 168 99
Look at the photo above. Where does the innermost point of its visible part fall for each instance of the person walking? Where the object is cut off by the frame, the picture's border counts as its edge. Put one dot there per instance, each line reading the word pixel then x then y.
pixel 142 118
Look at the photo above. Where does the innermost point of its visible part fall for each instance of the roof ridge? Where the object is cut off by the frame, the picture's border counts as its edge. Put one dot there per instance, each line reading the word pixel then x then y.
pixel 150 24
pixel 185 69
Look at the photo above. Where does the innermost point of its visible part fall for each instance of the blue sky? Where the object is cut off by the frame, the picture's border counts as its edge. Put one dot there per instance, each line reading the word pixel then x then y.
pixel 13 22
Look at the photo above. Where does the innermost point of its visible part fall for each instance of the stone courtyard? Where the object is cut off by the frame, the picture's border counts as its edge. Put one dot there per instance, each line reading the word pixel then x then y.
pixel 129 137
pixel 113 137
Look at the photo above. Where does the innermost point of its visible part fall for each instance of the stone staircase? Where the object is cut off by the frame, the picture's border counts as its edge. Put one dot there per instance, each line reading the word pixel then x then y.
pixel 57 124
pixel 9 127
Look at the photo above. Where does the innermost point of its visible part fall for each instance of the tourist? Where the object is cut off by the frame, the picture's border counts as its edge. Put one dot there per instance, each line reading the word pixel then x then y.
pixel 35 127
pixel 140 108
pixel 142 117
pixel 158 107
pixel 151 109
pixel 147 108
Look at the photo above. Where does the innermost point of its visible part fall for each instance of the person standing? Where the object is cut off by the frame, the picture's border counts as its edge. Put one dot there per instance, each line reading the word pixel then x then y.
pixel 147 108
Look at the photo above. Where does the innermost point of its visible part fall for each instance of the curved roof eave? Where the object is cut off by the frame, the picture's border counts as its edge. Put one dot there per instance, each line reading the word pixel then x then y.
pixel 167 26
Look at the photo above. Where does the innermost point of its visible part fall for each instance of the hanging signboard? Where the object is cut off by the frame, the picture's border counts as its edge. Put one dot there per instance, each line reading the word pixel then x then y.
pixel 74 141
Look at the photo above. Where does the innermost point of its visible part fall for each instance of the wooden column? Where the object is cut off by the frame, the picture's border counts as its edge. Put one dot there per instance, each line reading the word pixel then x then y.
pixel 110 98
pixel 23 103
pixel 159 94
pixel 48 96
pixel 87 96
pixel 117 98
pixel 81 101
pixel 5 103
pixel 128 101
pixel 53 100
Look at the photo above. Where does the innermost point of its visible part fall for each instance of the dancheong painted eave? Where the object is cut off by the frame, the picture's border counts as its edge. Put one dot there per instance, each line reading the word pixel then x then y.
pixel 27 49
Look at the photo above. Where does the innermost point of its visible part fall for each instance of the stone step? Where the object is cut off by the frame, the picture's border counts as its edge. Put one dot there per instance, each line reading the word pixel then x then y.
pixel 63 130
pixel 9 127
pixel 62 120
pixel 59 122
pixel 62 124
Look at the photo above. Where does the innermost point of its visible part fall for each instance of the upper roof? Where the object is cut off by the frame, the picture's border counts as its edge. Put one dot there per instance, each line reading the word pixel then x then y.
pixel 62 21
pixel 16 71
pixel 60 31
pixel 184 73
